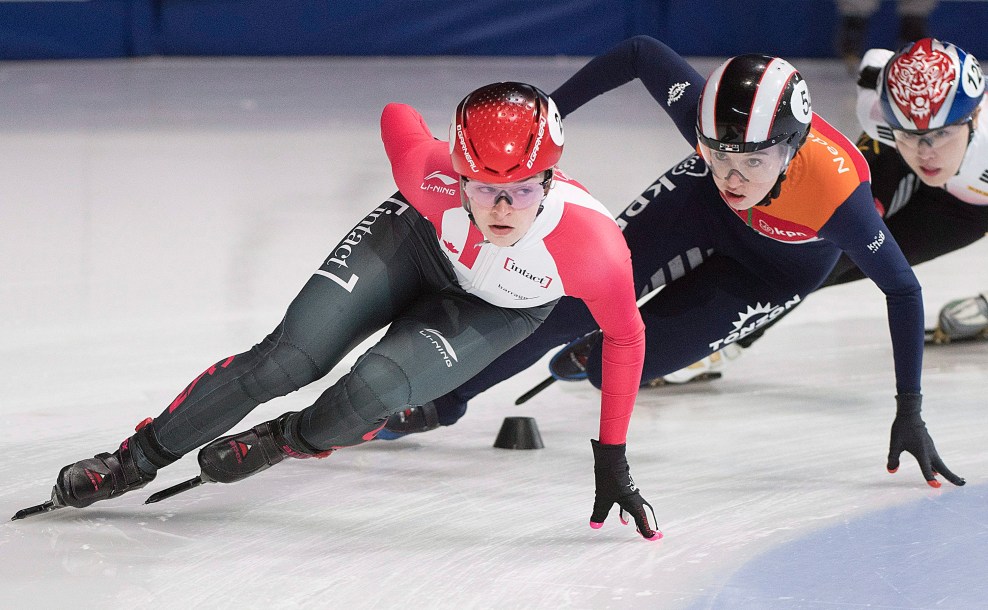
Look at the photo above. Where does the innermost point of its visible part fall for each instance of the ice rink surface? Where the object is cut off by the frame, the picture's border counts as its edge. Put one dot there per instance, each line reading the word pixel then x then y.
pixel 159 215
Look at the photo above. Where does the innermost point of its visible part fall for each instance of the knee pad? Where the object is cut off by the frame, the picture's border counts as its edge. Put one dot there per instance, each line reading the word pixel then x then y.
pixel 352 410
pixel 377 386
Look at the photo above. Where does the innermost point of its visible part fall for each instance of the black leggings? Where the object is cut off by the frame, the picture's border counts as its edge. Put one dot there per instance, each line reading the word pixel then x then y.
pixel 388 270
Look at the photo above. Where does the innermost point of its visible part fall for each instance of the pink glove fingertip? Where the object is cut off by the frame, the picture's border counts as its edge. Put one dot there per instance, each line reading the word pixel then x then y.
pixel 596 526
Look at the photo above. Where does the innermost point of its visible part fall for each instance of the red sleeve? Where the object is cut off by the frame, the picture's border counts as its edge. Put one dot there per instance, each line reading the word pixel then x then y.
pixel 601 276
pixel 414 153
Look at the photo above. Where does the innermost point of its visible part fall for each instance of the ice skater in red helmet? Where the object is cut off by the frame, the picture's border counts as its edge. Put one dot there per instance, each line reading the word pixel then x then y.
pixel 485 235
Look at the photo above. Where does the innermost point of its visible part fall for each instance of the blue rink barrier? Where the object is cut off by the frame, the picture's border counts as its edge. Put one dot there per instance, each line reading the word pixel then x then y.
pixel 60 29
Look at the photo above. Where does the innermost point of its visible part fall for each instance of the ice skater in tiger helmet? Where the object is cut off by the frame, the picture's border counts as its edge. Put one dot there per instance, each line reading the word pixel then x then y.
pixel 925 102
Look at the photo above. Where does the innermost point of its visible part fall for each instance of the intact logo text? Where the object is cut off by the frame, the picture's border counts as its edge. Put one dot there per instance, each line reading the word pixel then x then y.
pixel 335 267
pixel 543 280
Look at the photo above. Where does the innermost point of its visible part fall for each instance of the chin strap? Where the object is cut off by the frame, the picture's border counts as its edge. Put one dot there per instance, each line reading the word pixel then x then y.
pixel 776 190
pixel 466 202
pixel 970 138
pixel 547 186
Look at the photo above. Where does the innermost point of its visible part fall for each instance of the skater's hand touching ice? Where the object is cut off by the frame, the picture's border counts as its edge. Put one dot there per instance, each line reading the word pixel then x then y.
pixel 909 434
pixel 614 485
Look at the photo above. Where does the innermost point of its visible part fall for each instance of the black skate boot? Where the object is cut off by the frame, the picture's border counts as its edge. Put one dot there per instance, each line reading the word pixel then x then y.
pixel 108 475
pixel 232 458
pixel 410 421
pixel 570 363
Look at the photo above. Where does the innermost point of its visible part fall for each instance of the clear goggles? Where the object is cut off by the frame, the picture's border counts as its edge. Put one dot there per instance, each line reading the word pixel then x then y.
pixel 518 195
pixel 934 138
pixel 759 166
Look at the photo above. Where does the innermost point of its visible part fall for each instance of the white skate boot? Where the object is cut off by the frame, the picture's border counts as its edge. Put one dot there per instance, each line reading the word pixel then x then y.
pixel 707 369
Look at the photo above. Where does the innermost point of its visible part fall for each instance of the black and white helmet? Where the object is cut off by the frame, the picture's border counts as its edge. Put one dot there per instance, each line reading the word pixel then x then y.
pixel 752 102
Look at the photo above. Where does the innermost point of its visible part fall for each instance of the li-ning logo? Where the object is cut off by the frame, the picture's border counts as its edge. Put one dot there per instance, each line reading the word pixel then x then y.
pixel 538 144
pixel 745 326
pixel 879 240
pixel 542 281
pixel 441 344
pixel 345 249
pixel 463 147
pixel 676 92
pixel 435 188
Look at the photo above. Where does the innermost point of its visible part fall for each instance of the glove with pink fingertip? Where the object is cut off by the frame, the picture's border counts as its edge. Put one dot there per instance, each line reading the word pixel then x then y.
pixel 615 486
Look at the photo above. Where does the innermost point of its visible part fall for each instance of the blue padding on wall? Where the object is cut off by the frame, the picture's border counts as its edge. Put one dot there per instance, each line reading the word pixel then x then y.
pixel 962 23
pixel 721 28
pixel 98 28
pixel 119 28
pixel 409 27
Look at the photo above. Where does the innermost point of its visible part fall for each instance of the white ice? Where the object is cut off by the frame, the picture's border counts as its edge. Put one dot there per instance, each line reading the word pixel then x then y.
pixel 158 215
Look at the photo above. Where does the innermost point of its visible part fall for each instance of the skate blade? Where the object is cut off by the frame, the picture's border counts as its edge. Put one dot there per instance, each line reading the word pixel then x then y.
pixel 548 381
pixel 174 490
pixel 659 382
pixel 37 509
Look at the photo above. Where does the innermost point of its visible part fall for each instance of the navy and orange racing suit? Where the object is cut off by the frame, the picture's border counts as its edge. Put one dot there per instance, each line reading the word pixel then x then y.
pixel 726 273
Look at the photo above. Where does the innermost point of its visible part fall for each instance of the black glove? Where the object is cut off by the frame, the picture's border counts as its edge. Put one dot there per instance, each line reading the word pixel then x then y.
pixel 909 434
pixel 614 484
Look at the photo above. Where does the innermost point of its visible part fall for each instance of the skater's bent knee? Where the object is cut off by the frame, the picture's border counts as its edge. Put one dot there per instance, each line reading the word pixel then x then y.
pixel 378 386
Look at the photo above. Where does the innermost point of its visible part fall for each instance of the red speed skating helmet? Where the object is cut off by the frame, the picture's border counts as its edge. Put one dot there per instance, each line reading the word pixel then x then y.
pixel 505 132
